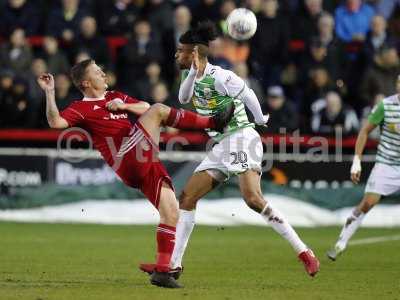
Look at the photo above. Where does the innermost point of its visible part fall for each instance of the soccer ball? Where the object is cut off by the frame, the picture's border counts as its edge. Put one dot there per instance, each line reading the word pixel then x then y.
pixel 242 24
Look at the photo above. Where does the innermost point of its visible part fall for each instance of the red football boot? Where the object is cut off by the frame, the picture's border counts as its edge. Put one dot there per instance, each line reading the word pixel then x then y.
pixel 311 263
pixel 150 268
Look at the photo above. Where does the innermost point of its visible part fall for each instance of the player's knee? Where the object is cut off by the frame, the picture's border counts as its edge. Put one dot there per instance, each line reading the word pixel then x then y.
pixel 367 204
pixel 187 202
pixel 254 200
pixel 169 216
pixel 158 108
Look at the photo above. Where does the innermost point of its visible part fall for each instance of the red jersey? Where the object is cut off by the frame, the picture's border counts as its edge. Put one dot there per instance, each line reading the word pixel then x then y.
pixel 107 129
pixel 124 145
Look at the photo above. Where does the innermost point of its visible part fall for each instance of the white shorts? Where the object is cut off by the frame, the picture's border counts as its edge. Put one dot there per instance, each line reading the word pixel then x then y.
pixel 235 154
pixel 384 180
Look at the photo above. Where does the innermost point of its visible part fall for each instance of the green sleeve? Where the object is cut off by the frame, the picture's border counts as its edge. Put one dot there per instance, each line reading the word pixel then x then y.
pixel 377 114
pixel 184 74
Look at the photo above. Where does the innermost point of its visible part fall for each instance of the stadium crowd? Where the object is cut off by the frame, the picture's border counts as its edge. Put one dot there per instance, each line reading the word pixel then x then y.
pixel 315 65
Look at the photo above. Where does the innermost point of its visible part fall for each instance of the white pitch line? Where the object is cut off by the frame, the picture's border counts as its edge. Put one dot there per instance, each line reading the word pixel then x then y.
pixel 374 240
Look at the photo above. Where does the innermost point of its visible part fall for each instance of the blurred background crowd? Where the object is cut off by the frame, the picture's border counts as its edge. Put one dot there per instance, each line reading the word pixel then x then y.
pixel 315 65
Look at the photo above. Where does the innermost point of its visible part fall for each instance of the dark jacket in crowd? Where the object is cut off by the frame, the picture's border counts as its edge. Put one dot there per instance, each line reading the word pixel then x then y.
pixel 270 43
pixel 346 119
pixel 379 80
pixel 285 117
pixel 26 17
pixel 57 23
pixel 115 21
pixel 97 48
pixel 133 59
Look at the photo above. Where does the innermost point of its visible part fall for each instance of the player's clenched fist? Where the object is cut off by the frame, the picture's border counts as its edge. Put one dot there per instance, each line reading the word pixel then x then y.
pixel 116 105
pixel 46 82
pixel 355 171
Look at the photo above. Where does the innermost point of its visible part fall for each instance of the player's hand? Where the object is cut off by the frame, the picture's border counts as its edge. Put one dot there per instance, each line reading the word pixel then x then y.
pixel 116 105
pixel 46 82
pixel 264 121
pixel 355 171
pixel 195 61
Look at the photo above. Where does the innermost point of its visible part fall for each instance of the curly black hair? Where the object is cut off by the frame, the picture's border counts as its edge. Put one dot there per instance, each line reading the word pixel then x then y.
pixel 203 33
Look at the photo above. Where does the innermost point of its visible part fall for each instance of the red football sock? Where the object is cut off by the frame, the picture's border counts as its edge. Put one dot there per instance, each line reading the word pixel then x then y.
pixel 185 119
pixel 165 246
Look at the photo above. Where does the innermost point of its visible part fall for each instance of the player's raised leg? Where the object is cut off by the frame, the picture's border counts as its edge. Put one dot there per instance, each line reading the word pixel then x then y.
pixel 160 114
pixel 249 183
pixel 353 222
pixel 168 209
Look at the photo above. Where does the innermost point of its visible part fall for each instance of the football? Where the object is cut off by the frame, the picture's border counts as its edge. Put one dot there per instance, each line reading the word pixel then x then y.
pixel 241 23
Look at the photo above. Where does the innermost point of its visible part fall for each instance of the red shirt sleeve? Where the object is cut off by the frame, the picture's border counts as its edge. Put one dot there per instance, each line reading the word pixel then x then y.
pixel 72 116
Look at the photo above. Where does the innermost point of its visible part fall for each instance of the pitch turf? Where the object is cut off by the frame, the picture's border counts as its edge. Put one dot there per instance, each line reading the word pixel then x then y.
pixel 63 261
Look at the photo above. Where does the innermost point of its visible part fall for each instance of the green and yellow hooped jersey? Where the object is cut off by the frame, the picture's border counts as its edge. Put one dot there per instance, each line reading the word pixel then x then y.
pixel 213 92
pixel 387 114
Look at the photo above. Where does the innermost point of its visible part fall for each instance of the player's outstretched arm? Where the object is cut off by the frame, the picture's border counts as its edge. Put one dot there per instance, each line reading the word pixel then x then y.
pixel 138 108
pixel 46 82
pixel 360 145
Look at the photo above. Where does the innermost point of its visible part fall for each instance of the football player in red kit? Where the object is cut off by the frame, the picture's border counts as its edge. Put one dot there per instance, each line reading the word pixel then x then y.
pixel 130 147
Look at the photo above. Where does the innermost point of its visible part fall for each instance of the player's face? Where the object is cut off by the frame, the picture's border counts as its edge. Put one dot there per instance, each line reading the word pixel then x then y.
pixel 96 78
pixel 184 56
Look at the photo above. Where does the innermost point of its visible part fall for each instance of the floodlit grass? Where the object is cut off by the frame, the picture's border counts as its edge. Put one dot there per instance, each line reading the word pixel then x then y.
pixel 65 261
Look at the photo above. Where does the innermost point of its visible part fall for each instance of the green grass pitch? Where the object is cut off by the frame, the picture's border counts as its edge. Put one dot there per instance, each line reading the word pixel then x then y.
pixel 64 261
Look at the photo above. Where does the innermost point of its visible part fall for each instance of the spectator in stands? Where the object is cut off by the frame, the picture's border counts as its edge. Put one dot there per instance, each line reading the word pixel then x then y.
pixel 38 68
pixel 160 15
pixel 81 56
pixel 117 17
pixel 95 44
pixel 217 54
pixel 326 29
pixel 64 21
pixel 331 115
pixel 144 84
pixel 19 14
pixel 319 83
pixel 227 7
pixel 366 112
pixel 376 39
pixel 319 56
pixel 142 48
pixel 64 93
pixel 381 77
pixel 206 10
pixel 386 8
pixel 269 55
pixel 254 5
pixel 283 114
pixel 16 54
pixel 160 94
pixel 305 23
pixel 242 71
pixel 57 61
pixel 170 38
pixel 18 110
pixel 353 19
pixel 6 84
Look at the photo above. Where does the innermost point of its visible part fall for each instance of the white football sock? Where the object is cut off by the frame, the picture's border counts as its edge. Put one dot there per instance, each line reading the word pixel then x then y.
pixel 184 229
pixel 352 223
pixel 281 226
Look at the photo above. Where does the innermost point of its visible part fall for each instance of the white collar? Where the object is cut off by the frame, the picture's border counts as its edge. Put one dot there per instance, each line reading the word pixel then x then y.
pixel 94 99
